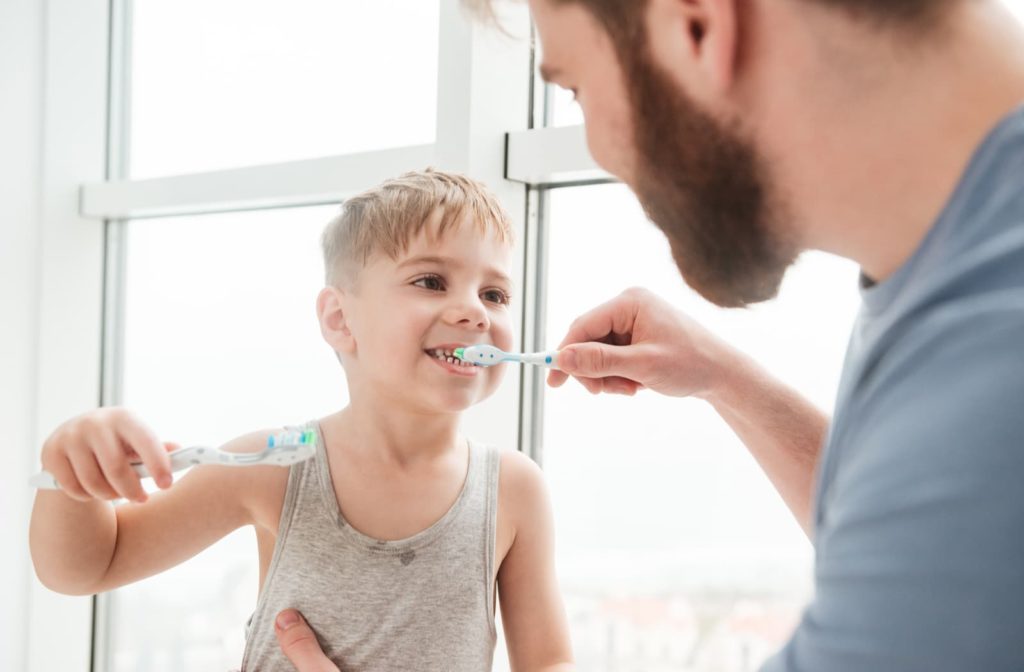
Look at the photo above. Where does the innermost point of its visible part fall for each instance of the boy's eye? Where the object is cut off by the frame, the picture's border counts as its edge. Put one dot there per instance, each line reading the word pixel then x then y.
pixel 431 282
pixel 496 296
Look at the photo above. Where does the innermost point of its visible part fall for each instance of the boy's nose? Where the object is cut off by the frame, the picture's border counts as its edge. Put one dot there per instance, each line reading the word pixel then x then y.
pixel 468 314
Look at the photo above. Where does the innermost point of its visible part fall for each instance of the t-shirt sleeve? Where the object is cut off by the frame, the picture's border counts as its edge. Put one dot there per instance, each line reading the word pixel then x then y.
pixel 920 552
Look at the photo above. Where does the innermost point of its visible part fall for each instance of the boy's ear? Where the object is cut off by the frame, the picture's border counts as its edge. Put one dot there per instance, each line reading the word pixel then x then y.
pixel 331 311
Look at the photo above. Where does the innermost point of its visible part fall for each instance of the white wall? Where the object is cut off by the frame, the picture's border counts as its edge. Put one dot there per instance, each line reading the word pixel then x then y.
pixel 20 137
pixel 52 131
pixel 21 39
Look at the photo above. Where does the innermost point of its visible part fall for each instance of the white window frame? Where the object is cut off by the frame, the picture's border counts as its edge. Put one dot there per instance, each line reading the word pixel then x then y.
pixel 484 125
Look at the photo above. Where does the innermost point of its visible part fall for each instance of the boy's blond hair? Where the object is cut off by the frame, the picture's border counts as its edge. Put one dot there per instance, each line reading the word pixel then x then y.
pixel 385 218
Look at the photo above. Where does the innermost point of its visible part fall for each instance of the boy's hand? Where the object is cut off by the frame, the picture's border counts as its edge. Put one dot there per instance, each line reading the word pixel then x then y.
pixel 635 341
pixel 91 456
pixel 298 641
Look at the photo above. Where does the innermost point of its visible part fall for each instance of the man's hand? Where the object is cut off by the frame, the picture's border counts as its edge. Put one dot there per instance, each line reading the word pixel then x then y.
pixel 299 643
pixel 638 340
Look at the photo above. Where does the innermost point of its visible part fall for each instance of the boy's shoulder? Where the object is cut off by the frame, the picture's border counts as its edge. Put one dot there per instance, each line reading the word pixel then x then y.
pixel 259 488
pixel 522 491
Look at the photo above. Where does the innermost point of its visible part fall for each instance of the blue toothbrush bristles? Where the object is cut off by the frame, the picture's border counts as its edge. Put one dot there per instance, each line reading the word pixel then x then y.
pixel 304 438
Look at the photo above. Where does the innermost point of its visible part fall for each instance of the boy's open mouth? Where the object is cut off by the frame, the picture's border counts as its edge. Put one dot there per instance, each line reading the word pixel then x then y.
pixel 446 358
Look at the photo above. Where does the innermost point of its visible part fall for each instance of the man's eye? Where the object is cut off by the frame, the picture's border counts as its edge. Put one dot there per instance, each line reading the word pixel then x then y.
pixel 496 296
pixel 431 282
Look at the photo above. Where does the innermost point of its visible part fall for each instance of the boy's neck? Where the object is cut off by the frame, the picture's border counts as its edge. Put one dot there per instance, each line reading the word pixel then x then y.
pixel 399 436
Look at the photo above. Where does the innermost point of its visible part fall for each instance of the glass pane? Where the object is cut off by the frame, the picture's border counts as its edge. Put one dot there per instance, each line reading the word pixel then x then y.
pixel 557 106
pixel 675 553
pixel 221 339
pixel 225 83
pixel 564 111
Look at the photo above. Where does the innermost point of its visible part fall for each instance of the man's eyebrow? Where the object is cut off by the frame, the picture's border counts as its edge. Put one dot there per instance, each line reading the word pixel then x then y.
pixel 450 261
pixel 548 73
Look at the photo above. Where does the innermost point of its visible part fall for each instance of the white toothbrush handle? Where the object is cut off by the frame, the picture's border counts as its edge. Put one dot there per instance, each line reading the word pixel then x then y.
pixel 183 458
pixel 44 481
pixel 548 360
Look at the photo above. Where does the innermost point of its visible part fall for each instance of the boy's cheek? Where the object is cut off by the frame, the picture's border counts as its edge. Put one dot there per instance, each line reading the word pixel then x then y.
pixel 503 335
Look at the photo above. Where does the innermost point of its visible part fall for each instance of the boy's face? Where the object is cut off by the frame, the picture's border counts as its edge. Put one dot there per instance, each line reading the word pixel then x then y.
pixel 440 294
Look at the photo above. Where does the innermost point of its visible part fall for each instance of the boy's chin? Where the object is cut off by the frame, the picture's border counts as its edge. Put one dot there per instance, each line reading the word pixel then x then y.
pixel 455 402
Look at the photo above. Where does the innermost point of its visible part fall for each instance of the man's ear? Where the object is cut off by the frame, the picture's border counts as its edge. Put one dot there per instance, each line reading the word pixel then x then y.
pixel 331 311
pixel 697 43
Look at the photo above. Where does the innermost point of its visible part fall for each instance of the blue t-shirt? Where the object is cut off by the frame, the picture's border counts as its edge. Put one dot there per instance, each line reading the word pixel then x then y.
pixel 919 509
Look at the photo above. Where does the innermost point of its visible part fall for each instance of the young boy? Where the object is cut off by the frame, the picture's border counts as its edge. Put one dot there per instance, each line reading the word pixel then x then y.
pixel 393 541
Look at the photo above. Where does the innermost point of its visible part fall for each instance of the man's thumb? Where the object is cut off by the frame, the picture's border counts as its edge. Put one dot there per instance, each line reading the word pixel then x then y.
pixel 592 360
pixel 299 643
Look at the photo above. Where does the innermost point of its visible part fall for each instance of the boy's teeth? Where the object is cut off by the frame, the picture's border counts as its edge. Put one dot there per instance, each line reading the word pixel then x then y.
pixel 449 356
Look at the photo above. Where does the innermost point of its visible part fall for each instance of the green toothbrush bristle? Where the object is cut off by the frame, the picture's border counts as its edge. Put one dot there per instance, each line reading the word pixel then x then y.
pixel 459 352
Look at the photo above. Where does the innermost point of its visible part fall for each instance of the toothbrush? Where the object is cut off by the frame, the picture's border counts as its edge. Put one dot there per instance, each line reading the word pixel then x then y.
pixel 284 449
pixel 488 355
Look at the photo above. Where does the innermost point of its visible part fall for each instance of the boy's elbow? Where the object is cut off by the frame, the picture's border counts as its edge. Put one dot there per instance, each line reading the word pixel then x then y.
pixel 62 584
pixel 59 581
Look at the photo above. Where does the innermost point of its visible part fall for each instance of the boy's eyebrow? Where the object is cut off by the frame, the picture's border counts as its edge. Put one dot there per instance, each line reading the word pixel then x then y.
pixel 449 261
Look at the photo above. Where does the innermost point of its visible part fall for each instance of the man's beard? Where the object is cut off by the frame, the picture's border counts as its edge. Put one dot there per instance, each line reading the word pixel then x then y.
pixel 706 188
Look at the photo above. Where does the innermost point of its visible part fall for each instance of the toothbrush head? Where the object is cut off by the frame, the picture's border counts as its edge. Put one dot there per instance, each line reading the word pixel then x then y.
pixel 289 447
pixel 303 438
pixel 481 355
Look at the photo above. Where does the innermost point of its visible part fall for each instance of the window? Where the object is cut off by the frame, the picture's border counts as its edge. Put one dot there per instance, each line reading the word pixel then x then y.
pixel 239 82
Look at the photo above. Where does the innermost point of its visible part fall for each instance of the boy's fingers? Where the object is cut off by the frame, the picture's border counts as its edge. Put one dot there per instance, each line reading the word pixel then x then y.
pixel 89 474
pixel 117 470
pixel 298 642
pixel 150 450
pixel 63 473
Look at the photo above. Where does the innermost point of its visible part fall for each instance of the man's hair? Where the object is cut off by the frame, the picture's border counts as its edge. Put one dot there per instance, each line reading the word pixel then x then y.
pixel 384 219
pixel 623 18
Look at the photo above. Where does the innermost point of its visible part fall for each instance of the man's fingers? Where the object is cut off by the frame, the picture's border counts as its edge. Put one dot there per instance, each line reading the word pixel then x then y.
pixel 557 378
pixel 612 318
pixel 298 642
pixel 616 385
pixel 600 360
pixel 599 368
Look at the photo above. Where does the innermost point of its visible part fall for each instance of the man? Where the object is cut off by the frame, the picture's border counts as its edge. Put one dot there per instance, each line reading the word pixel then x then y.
pixel 890 132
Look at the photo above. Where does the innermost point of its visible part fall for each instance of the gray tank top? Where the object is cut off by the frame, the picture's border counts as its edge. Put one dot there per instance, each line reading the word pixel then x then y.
pixel 421 603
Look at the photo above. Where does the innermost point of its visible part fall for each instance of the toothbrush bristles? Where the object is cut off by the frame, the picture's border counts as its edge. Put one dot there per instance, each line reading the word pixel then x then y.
pixel 304 438
pixel 460 352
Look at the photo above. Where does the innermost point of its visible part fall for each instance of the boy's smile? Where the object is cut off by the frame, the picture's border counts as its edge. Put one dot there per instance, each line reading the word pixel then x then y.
pixel 444 356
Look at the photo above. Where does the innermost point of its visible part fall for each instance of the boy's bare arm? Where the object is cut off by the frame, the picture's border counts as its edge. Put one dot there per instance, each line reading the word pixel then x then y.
pixel 81 544
pixel 536 628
